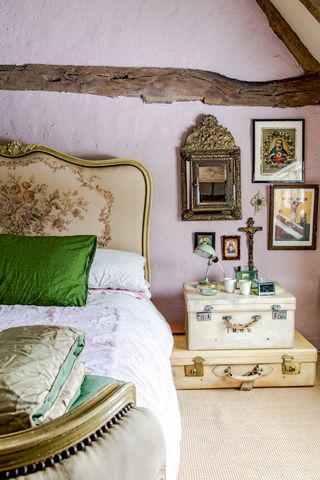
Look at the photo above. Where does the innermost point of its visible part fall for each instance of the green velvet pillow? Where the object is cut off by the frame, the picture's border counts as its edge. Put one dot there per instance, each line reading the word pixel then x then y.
pixel 45 270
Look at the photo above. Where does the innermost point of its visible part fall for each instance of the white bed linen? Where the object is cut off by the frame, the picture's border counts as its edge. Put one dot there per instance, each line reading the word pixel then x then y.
pixel 127 339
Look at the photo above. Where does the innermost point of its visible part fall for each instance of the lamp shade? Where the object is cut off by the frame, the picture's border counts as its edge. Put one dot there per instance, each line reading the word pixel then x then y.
pixel 206 251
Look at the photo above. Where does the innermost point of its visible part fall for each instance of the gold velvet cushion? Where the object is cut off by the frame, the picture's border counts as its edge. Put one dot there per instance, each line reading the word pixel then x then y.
pixel 40 374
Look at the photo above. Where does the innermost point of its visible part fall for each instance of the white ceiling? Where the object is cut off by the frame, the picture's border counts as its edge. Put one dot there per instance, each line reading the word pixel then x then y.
pixel 302 23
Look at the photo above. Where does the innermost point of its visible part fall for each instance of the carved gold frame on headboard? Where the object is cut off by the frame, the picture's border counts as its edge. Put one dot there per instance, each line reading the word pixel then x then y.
pixel 131 189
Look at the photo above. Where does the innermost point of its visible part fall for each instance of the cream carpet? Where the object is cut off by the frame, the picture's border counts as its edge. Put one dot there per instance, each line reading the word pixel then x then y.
pixel 263 434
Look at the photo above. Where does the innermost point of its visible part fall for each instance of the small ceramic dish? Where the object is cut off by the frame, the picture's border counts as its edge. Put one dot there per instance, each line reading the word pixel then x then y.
pixel 208 290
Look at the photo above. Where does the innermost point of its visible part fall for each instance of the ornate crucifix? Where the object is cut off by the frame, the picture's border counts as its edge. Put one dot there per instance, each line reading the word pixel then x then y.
pixel 250 230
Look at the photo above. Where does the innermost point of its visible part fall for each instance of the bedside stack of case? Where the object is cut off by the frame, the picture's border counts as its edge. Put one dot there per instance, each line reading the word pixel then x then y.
pixel 241 341
pixel 234 321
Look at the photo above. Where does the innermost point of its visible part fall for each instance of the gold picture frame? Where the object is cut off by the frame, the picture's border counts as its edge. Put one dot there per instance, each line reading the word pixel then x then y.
pixel 293 217
pixel 210 173
pixel 230 247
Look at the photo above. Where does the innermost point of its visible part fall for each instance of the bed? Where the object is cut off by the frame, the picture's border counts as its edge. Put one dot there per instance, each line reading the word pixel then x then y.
pixel 46 193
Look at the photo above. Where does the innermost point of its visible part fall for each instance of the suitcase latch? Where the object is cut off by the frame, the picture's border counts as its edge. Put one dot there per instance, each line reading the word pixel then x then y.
pixel 195 370
pixel 289 366
pixel 277 313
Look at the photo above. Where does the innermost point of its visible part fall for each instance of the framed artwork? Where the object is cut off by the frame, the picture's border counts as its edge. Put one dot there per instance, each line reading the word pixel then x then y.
pixel 278 151
pixel 230 247
pixel 293 217
pixel 204 237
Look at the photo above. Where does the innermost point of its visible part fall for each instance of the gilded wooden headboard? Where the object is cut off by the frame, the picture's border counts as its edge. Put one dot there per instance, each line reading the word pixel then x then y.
pixel 46 192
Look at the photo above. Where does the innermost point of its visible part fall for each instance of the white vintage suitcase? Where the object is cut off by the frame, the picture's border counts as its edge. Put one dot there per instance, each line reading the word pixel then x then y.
pixel 283 367
pixel 234 321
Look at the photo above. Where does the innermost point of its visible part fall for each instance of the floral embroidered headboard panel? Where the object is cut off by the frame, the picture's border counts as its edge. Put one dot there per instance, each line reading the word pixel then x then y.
pixel 45 192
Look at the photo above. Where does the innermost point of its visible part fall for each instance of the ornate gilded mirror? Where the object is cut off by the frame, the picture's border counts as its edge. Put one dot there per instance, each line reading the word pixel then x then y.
pixel 210 173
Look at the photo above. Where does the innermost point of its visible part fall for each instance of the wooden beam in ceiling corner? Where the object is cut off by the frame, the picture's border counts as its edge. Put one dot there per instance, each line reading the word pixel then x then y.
pixel 289 37
pixel 313 6
pixel 162 85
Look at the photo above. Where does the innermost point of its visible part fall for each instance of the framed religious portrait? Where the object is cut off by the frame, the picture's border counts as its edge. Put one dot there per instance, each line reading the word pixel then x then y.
pixel 204 237
pixel 230 247
pixel 278 151
pixel 293 217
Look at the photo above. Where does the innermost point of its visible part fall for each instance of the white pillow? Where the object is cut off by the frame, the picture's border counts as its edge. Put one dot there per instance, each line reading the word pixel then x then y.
pixel 118 269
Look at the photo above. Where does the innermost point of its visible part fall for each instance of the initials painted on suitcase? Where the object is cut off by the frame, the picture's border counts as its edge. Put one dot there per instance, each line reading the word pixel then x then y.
pixel 203 316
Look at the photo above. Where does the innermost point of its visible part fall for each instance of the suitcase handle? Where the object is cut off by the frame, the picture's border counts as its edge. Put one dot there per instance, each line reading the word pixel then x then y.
pixel 255 373
pixel 247 380
pixel 240 326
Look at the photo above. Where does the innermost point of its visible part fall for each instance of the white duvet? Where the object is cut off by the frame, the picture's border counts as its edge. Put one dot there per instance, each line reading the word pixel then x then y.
pixel 127 339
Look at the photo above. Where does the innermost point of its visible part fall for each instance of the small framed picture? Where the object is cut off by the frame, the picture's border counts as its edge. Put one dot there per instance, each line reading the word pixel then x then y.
pixel 230 247
pixel 204 237
pixel 293 217
pixel 278 151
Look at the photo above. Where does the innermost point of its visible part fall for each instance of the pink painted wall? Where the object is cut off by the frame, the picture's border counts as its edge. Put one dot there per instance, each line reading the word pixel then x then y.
pixel 230 37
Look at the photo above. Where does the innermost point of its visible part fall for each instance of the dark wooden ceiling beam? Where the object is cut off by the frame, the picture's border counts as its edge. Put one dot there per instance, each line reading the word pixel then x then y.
pixel 162 85
pixel 289 37
pixel 313 6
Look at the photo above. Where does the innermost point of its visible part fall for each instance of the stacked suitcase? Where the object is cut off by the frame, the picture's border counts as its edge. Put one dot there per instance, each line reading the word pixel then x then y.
pixel 241 341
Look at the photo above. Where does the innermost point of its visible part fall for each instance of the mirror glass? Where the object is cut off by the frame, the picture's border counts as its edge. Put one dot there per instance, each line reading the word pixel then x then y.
pixel 211 183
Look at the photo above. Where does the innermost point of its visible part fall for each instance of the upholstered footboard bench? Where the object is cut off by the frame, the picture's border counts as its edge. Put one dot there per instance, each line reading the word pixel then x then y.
pixel 106 437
